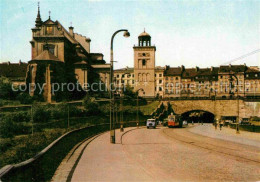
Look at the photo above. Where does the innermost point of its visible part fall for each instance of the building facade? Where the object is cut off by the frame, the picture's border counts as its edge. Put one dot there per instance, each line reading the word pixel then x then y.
pixel 173 82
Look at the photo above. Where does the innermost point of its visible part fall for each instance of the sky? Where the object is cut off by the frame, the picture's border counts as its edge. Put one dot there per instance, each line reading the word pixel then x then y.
pixel 190 33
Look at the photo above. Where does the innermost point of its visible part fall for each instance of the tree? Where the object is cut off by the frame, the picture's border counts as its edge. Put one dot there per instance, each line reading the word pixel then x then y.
pixel 129 95
pixel 6 91
pixel 90 105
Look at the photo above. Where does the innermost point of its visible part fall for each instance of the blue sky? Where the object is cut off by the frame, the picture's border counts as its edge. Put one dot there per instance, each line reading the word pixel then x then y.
pixel 203 33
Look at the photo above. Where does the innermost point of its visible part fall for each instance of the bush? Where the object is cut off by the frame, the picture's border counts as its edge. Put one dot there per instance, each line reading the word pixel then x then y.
pixel 24 98
pixel 22 116
pixel 90 105
pixel 104 108
pixel 6 91
pixel 7 127
pixel 59 111
pixel 41 114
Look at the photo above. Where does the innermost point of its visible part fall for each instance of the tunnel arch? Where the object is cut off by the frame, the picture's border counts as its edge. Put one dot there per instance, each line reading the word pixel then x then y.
pixel 198 116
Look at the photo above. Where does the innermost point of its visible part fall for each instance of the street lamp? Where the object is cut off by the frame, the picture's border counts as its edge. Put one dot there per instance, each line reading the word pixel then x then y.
pixel 112 125
pixel 137 110
pixel 237 122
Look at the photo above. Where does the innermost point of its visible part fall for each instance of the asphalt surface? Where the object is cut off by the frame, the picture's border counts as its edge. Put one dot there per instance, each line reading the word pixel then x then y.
pixel 167 154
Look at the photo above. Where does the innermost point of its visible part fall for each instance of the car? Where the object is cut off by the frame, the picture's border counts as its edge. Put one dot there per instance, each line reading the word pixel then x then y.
pixel 151 123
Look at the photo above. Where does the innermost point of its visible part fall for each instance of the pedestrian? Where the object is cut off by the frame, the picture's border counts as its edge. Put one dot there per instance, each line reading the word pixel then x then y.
pixel 220 124
pixel 216 125
pixel 192 123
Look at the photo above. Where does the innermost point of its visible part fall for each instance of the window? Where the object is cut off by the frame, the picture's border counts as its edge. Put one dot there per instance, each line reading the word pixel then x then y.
pixel 154 75
pixel 133 75
pixel 117 76
pixel 160 81
pixel 160 75
pixel 133 81
pixel 49 30
pixel 176 78
pixel 49 47
pixel 143 62
pixel 143 54
pixel 221 77
pixel 123 76
pixel 160 88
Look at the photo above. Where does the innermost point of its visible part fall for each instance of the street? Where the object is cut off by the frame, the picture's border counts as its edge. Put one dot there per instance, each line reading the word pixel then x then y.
pixel 165 154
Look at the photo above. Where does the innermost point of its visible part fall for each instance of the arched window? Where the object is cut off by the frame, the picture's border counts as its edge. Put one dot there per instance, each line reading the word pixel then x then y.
pixel 147 77
pixel 144 77
pixel 139 77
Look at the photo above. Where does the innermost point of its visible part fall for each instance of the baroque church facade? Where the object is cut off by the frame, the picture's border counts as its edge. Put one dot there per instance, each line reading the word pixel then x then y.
pixel 60 56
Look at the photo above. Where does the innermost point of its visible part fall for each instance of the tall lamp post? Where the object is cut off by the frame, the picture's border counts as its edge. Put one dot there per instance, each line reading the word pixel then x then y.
pixel 112 125
pixel 237 121
pixel 137 104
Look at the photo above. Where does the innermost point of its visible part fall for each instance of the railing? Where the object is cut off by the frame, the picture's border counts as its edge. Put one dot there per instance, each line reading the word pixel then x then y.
pixel 43 165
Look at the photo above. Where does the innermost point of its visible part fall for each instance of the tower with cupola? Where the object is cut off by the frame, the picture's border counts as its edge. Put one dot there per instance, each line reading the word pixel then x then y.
pixel 144 65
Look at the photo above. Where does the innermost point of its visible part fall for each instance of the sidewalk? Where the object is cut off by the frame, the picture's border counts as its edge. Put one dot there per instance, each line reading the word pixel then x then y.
pixel 246 138
pixel 94 155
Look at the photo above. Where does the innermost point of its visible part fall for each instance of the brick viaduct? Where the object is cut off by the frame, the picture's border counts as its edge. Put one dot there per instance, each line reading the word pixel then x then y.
pixel 217 107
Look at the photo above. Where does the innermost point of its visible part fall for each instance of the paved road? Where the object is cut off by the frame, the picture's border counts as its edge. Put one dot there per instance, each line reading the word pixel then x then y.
pixel 167 155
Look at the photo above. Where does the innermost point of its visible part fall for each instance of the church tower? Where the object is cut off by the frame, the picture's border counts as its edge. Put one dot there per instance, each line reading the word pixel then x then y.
pixel 144 65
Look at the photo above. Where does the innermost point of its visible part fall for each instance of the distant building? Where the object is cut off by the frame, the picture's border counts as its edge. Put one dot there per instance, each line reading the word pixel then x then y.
pixel 16 72
pixel 185 82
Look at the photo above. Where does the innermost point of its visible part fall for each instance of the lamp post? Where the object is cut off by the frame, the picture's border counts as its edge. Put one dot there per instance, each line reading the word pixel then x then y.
pixel 237 121
pixel 112 126
pixel 137 104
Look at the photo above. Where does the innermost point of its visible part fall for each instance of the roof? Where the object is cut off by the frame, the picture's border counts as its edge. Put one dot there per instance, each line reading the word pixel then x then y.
pixel 127 70
pixel 46 55
pixel 144 34
pixel 189 73
pixel 13 69
pixel 173 71
pixel 232 68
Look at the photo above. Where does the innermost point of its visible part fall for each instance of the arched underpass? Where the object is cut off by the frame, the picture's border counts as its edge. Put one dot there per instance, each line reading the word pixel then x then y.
pixel 198 116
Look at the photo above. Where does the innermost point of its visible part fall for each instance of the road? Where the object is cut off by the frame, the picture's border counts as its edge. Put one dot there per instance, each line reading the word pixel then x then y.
pixel 165 154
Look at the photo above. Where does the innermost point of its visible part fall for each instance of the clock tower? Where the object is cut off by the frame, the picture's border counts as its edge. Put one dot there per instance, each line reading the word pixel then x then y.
pixel 144 65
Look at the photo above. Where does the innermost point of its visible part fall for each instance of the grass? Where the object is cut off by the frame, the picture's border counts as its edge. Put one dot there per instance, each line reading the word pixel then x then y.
pixel 256 123
pixel 22 147
pixel 149 108
pixel 44 168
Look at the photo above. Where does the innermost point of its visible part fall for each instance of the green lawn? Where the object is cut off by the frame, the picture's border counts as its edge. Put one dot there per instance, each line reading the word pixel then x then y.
pixel 149 108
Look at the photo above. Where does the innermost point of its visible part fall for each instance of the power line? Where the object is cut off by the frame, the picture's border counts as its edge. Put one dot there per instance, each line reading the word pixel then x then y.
pixel 241 57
